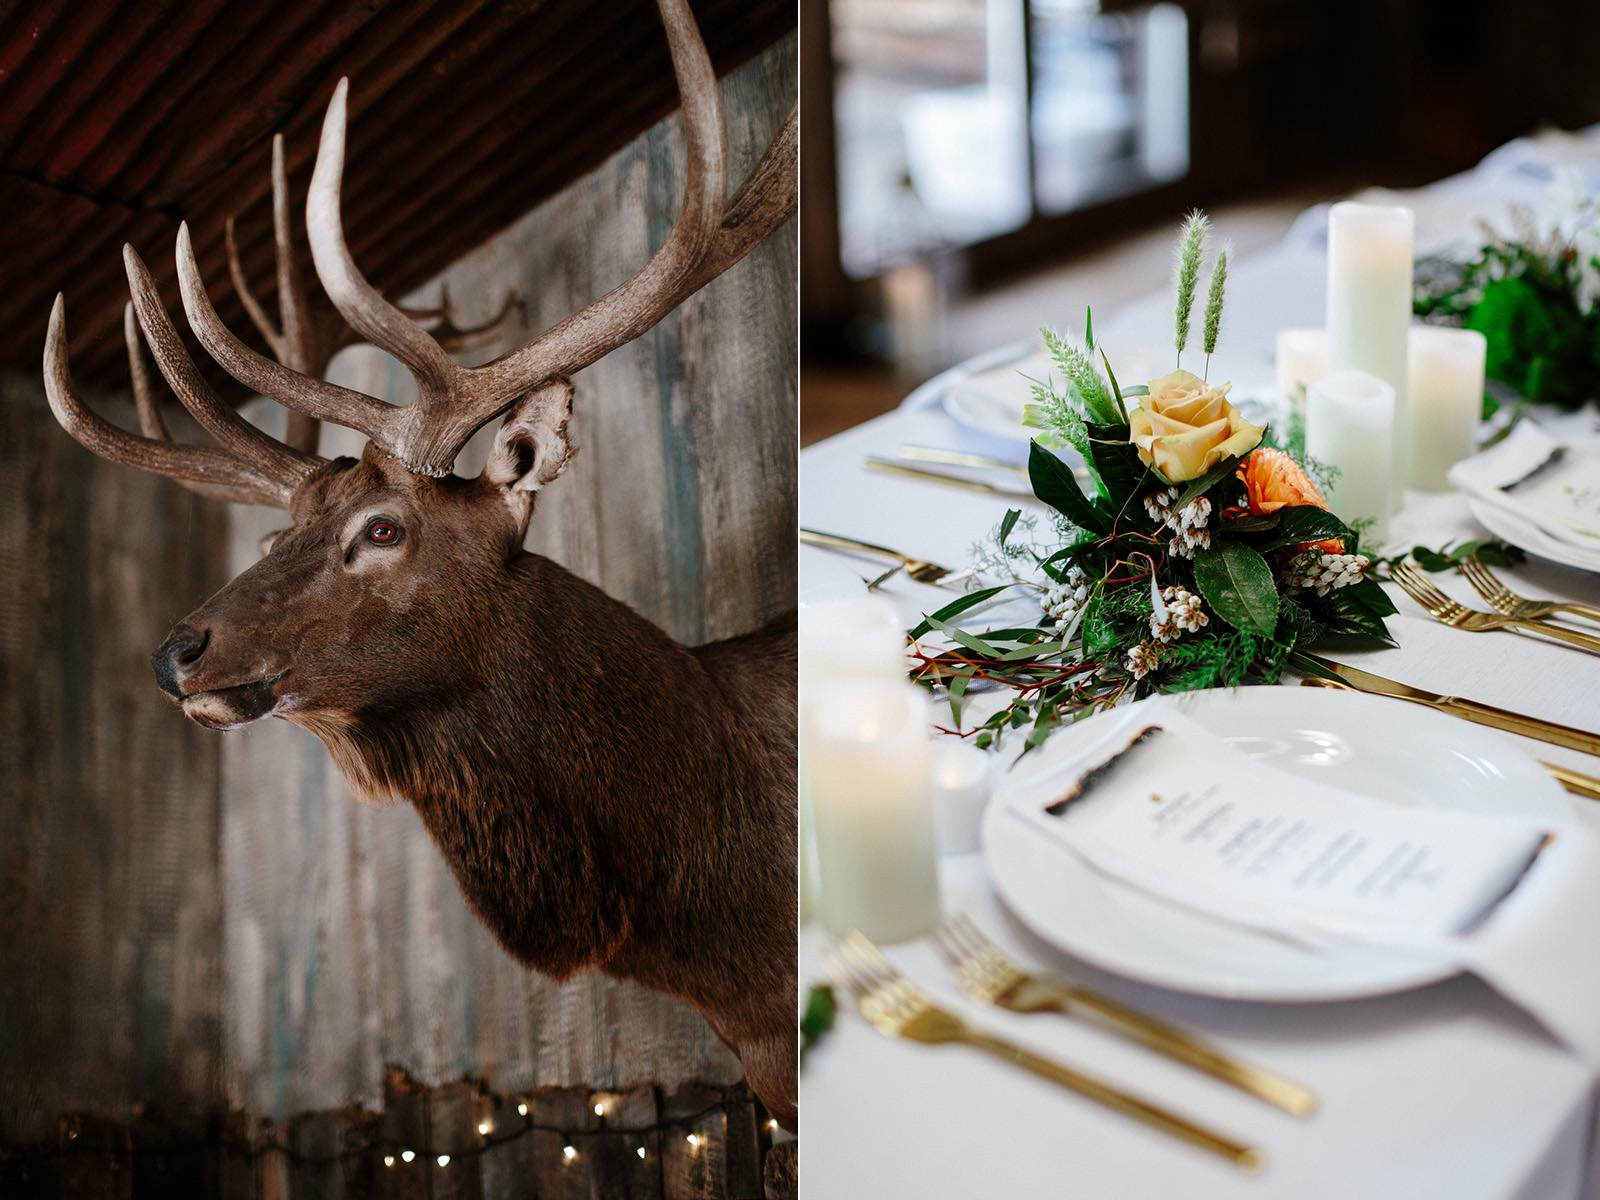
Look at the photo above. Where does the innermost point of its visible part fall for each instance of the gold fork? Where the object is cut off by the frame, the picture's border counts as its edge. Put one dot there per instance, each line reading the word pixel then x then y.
pixel 986 974
pixel 919 569
pixel 896 1007
pixel 1442 608
pixel 1503 599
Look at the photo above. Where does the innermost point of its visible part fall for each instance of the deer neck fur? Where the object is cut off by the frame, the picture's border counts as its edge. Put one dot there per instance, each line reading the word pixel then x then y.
pixel 595 786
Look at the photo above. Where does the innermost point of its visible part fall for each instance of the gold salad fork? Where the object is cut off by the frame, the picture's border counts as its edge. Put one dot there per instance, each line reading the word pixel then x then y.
pixel 986 974
pixel 918 569
pixel 896 1007
pixel 1442 608
pixel 1504 600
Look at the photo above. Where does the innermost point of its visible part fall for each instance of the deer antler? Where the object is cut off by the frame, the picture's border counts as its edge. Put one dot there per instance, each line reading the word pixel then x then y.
pixel 306 339
pixel 453 402
pixel 251 467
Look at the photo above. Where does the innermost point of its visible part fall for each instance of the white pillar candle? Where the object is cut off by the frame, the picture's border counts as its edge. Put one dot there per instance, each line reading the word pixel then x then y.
pixel 1350 427
pixel 1302 360
pixel 962 777
pixel 1445 393
pixel 857 638
pixel 870 751
pixel 1369 305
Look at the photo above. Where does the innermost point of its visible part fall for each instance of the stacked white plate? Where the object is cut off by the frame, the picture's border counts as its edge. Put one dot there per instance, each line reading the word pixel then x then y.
pixel 1539 493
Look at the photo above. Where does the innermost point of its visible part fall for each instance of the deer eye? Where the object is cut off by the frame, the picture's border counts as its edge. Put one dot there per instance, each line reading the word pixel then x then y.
pixel 382 532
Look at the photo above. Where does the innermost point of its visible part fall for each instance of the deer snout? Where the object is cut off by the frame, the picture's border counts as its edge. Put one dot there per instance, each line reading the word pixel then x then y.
pixel 176 658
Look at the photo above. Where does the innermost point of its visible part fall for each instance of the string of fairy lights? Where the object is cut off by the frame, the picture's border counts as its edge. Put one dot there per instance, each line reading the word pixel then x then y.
pixel 395 1153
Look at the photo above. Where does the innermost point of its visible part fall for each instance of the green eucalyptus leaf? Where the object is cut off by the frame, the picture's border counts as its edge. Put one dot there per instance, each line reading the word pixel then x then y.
pixel 970 640
pixel 1007 524
pixel 960 677
pixel 1237 583
pixel 956 607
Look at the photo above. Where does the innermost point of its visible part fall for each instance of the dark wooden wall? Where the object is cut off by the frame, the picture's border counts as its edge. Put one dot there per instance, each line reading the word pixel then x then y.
pixel 110 904
pixel 196 915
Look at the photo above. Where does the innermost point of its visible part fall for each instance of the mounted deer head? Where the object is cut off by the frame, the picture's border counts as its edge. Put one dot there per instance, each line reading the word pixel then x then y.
pixel 401 622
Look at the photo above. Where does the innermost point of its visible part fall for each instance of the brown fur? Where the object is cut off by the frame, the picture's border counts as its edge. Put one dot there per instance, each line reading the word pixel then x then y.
pixel 606 797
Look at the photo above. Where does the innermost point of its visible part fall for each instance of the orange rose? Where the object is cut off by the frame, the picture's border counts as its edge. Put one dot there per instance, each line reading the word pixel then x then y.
pixel 1273 480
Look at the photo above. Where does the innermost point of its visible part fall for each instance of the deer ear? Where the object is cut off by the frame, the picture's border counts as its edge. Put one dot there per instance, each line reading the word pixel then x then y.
pixel 532 447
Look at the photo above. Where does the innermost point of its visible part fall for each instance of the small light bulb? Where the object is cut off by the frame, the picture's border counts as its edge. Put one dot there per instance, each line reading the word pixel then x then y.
pixel 522 1110
pixel 443 1160
pixel 407 1155
pixel 486 1127
pixel 772 1124
pixel 388 1160
pixel 694 1140
pixel 641 1151
pixel 599 1110
pixel 569 1152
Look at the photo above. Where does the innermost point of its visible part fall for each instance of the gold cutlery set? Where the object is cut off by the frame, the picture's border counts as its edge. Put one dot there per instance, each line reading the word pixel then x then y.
pixel 896 1007
pixel 1507 603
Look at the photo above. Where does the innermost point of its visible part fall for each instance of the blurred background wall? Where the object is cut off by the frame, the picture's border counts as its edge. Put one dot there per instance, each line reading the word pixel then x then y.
pixel 961 154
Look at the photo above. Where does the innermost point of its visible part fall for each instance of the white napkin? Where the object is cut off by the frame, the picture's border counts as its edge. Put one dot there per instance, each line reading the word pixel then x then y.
pixel 1541 480
pixel 1184 816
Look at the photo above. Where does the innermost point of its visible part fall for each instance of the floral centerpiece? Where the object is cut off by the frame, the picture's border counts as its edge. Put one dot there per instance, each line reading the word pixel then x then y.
pixel 1193 553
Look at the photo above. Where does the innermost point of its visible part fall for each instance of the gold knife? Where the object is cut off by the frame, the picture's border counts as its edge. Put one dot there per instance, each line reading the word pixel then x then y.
pixel 889 467
pixel 964 458
pixel 1471 710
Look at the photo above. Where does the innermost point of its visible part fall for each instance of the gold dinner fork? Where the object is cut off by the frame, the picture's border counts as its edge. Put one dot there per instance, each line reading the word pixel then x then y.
pixel 896 1007
pixel 919 569
pixel 985 973
pixel 1442 608
pixel 1503 599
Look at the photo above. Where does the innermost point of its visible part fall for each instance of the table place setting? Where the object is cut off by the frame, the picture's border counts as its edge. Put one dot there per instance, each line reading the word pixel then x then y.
pixel 1202 764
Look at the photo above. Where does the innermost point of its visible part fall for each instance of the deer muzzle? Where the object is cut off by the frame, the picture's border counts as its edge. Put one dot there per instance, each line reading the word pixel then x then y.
pixel 179 662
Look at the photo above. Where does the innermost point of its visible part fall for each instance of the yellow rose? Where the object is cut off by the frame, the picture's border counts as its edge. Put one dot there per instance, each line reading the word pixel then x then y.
pixel 1186 426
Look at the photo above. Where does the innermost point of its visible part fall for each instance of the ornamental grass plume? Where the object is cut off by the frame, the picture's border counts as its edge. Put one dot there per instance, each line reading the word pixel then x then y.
pixel 1085 379
pixel 1213 320
pixel 1191 245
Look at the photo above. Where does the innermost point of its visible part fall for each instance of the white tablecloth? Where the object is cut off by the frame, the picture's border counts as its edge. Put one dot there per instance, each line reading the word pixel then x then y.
pixel 1444 1091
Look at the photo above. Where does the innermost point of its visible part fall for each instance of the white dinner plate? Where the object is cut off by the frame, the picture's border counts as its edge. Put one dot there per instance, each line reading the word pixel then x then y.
pixel 1519 531
pixel 1370 744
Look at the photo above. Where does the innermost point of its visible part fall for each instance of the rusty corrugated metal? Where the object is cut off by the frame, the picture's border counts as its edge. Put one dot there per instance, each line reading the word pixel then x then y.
pixel 120 118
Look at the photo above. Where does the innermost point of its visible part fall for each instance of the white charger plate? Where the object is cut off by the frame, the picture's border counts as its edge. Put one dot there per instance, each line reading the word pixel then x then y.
pixel 1384 748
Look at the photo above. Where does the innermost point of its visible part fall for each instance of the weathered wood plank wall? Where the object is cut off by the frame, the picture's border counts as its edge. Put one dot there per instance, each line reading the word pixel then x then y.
pixel 110 904
pixel 346 943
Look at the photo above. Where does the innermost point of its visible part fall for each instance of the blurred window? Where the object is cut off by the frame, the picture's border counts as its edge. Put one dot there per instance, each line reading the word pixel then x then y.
pixel 941 145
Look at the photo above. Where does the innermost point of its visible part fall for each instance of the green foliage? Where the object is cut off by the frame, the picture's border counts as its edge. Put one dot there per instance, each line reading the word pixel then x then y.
pixel 821 1007
pixel 1491 552
pixel 1525 296
pixel 1191 246
pixel 1053 483
pixel 1084 385
pixel 1238 585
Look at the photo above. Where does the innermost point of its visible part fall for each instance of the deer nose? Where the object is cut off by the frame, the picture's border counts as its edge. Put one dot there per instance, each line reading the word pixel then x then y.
pixel 176 656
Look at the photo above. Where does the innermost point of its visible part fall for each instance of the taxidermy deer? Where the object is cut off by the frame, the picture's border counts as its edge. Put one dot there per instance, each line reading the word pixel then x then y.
pixel 401 622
